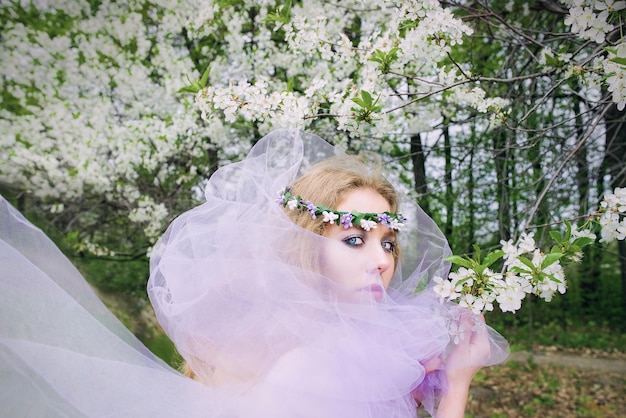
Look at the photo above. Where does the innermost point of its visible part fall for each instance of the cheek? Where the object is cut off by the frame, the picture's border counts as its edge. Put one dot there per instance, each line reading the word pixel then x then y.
pixel 335 261
pixel 346 266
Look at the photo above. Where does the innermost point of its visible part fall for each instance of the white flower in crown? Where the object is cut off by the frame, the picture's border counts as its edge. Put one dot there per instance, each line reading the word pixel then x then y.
pixel 396 225
pixel 292 204
pixel 330 217
pixel 367 225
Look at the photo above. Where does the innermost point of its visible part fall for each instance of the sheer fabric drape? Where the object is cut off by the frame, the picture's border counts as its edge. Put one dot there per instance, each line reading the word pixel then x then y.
pixel 240 290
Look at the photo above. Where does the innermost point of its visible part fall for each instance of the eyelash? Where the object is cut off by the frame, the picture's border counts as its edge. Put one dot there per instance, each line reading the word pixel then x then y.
pixel 388 246
pixel 392 246
pixel 349 240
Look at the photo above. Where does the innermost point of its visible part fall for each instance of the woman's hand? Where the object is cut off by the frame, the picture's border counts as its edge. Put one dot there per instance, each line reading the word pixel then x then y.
pixel 462 363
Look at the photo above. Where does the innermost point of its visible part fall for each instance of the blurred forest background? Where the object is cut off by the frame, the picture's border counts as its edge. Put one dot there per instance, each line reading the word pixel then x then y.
pixel 497 116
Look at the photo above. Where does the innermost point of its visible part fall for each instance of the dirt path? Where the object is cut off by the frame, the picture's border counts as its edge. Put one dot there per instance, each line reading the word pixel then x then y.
pixel 552 383
pixel 610 365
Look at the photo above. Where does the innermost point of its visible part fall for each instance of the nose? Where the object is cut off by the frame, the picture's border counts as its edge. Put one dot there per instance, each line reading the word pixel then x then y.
pixel 382 260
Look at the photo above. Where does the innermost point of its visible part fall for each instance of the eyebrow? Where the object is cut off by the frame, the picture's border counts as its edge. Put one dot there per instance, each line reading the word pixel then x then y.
pixel 393 234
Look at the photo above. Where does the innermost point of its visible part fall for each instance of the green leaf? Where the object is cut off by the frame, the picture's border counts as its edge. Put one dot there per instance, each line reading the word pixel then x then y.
pixel 385 59
pixel 553 278
pixel 367 99
pixel 359 102
pixel 551 259
pixel 583 241
pixel 556 249
pixel 187 89
pixel 476 257
pixel 368 106
pixel 552 61
pixel 197 85
pixel 618 60
pixel 282 15
pixel 527 263
pixel 205 76
pixel 463 262
pixel 492 257
pixel 555 235
pixel 462 281
pixel 516 269
pixel 568 231
pixel 379 56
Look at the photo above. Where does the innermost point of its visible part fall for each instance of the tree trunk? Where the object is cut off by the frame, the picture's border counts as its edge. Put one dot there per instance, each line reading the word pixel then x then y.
pixel 593 258
pixel 471 203
pixel 501 160
pixel 449 192
pixel 615 165
pixel 535 155
pixel 418 159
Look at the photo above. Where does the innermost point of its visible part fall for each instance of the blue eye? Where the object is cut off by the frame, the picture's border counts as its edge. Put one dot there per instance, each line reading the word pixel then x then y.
pixel 354 241
pixel 388 246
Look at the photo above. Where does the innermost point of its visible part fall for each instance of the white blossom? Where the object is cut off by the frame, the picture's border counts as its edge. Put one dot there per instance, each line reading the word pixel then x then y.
pixel 510 300
pixel 456 331
pixel 293 205
pixel 444 289
pixel 367 225
pixel 330 217
pixel 527 243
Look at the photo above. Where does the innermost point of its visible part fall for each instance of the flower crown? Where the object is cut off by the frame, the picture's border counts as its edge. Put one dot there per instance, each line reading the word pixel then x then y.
pixel 366 221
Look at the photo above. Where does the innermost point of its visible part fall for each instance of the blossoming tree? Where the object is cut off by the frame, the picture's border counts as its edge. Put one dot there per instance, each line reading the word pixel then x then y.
pixel 490 81
pixel 490 114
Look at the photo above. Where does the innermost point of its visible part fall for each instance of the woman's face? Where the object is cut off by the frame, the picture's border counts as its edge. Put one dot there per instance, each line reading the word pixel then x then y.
pixel 360 262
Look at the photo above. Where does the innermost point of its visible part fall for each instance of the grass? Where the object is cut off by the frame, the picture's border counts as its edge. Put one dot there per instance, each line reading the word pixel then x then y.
pixel 571 334
pixel 163 347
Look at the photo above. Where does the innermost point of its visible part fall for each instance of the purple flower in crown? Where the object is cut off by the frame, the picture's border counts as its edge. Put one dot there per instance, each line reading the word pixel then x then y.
pixel 384 219
pixel 311 208
pixel 346 220
pixel 283 196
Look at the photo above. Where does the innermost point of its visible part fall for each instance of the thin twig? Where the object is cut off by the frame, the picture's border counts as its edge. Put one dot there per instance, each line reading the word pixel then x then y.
pixel 571 155
pixel 575 218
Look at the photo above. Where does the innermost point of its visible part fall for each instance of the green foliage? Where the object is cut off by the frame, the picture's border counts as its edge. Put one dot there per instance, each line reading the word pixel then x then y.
pixel 196 85
pixel 475 262
pixel 385 59
pixel 367 106
pixel 116 275
pixel 480 281
pixel 282 15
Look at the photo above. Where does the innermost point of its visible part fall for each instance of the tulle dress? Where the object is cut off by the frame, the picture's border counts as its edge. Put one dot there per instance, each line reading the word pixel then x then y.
pixel 230 283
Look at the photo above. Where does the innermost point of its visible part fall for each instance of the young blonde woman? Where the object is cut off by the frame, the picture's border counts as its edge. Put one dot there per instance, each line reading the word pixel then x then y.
pixel 290 293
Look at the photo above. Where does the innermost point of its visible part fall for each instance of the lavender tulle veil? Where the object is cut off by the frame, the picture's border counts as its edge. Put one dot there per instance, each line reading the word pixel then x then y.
pixel 260 328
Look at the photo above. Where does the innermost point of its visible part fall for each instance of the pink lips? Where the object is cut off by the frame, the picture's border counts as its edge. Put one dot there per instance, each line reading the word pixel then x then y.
pixel 375 290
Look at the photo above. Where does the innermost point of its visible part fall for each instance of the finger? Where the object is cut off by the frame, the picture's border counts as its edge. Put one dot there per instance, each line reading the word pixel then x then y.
pixel 432 364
